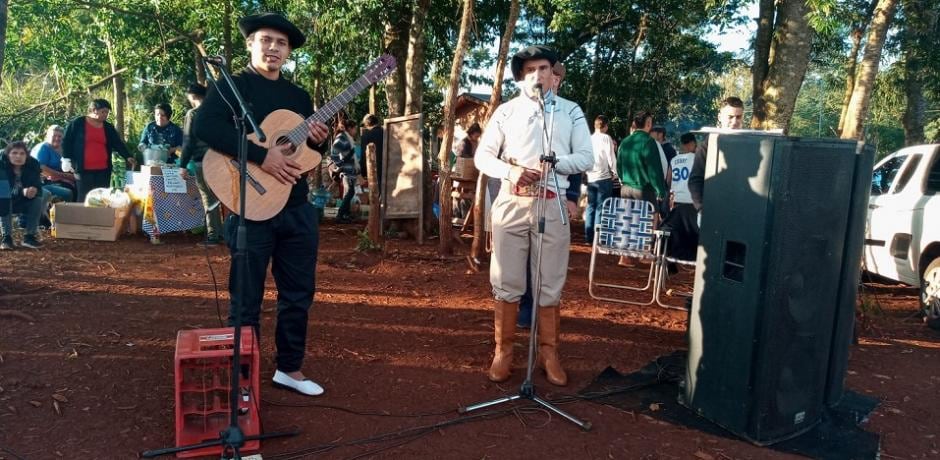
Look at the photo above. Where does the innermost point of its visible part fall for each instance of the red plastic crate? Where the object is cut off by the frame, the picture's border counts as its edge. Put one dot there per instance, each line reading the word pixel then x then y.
pixel 203 364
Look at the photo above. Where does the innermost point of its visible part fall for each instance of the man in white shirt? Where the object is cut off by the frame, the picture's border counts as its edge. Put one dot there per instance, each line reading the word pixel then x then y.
pixel 517 129
pixel 600 177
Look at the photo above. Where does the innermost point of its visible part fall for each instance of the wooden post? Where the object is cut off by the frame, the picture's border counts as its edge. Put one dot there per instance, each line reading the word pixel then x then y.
pixel 479 223
pixel 375 216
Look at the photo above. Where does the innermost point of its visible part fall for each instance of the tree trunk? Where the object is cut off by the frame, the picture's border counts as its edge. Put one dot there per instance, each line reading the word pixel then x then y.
pixel 199 66
pixel 395 40
pixel 596 67
pixel 762 43
pixel 375 222
pixel 117 88
pixel 227 33
pixel 850 68
pixel 861 96
pixel 372 107
pixel 787 61
pixel 445 226
pixel 477 248
pixel 496 96
pixel 916 44
pixel 414 67
pixel 916 106
pixel 3 33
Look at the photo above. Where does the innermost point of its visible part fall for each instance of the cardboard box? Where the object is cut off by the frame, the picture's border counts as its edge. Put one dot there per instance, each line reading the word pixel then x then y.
pixel 151 170
pixel 75 221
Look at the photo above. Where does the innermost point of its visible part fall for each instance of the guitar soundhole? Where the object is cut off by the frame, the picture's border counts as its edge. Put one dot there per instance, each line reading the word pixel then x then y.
pixel 284 140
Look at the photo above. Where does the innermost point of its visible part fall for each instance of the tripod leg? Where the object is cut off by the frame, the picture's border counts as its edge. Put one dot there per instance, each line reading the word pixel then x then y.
pixel 586 426
pixel 484 405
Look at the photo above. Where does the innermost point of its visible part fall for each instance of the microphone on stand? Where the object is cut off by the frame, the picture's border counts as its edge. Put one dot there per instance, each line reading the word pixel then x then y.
pixel 538 89
pixel 218 61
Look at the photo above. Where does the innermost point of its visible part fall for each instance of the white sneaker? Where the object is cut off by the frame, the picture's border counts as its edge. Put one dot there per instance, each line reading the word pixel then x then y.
pixel 305 387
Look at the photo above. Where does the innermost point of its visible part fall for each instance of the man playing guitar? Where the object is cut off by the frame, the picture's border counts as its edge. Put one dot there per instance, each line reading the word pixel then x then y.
pixel 288 240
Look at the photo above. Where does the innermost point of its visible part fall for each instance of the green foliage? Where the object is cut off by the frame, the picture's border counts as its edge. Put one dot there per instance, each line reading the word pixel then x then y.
pixel 364 243
pixel 57 48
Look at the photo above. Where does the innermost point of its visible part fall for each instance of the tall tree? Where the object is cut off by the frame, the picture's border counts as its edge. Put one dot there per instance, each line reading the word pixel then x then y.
pixel 3 33
pixel 395 40
pixel 868 70
pixel 917 41
pixel 414 67
pixel 781 56
pixel 496 96
pixel 859 22
pixel 118 95
pixel 450 102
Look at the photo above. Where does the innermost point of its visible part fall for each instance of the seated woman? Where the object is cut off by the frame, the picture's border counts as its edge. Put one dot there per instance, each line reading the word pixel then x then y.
pixel 49 153
pixel 20 175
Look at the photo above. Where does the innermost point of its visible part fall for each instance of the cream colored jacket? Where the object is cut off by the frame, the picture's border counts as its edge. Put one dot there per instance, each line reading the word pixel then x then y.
pixel 515 136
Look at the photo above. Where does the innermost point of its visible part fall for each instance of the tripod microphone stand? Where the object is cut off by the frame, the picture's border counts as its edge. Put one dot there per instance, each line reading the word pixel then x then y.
pixel 233 438
pixel 527 390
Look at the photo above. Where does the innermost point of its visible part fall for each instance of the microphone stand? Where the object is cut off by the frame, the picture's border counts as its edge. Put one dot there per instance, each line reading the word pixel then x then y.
pixel 233 438
pixel 527 390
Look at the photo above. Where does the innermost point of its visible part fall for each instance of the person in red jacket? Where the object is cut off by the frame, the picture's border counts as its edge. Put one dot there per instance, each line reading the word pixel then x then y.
pixel 87 146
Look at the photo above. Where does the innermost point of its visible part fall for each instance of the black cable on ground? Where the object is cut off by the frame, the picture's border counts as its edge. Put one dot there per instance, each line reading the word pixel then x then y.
pixel 355 412
pixel 215 283
pixel 9 451
pixel 407 435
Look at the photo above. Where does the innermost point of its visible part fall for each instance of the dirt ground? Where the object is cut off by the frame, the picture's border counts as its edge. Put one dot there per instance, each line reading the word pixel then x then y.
pixel 87 336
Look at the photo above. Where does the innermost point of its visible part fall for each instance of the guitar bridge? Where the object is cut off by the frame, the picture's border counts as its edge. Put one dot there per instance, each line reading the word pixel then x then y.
pixel 250 180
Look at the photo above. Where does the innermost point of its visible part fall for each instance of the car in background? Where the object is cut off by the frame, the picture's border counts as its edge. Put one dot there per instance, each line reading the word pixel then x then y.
pixel 902 234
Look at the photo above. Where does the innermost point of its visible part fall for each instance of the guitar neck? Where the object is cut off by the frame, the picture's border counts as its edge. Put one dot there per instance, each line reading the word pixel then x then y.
pixel 299 134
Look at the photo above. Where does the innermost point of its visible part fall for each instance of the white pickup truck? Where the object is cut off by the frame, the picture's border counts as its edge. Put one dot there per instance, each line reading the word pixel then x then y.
pixel 902 235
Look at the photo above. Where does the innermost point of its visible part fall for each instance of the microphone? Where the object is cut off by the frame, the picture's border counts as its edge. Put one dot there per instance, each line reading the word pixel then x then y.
pixel 538 87
pixel 218 61
pixel 538 90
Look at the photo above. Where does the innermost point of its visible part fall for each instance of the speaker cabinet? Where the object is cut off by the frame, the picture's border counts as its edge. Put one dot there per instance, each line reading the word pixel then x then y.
pixel 768 289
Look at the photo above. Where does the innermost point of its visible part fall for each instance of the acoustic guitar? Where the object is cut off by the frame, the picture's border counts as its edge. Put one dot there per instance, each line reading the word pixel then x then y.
pixel 265 196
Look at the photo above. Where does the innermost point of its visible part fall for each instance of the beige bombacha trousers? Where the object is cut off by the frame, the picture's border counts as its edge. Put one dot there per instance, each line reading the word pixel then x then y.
pixel 515 233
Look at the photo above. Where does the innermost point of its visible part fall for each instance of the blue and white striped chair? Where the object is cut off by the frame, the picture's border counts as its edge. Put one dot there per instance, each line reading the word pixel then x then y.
pixel 626 229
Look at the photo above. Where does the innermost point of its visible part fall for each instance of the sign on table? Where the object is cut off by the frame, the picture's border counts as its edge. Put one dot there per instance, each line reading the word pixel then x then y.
pixel 172 181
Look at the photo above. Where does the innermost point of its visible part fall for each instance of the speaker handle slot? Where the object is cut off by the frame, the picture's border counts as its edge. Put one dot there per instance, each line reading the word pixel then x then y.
pixel 732 267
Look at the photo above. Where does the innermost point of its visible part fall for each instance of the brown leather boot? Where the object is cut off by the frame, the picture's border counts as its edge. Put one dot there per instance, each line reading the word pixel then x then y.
pixel 505 329
pixel 549 328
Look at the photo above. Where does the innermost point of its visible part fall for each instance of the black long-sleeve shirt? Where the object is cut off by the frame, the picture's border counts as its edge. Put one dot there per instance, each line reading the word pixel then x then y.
pixel 214 125
pixel 194 149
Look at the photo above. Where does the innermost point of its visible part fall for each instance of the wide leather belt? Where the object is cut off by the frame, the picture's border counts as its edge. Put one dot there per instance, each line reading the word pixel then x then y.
pixel 530 191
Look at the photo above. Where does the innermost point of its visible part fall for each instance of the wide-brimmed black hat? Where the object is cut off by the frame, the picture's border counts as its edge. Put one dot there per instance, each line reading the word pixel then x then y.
pixel 249 24
pixel 527 54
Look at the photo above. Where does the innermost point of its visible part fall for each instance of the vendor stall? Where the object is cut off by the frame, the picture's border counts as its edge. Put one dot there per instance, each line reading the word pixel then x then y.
pixel 165 201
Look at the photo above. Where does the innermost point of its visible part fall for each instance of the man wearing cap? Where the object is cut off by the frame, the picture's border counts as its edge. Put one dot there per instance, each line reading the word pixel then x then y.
pixel 289 239
pixel 510 150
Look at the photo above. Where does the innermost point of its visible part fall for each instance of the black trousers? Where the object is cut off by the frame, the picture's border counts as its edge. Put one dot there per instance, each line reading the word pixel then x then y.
pixel 87 181
pixel 289 242
pixel 682 225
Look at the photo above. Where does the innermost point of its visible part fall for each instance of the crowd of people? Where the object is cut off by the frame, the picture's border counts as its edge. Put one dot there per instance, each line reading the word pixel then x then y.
pixel 530 247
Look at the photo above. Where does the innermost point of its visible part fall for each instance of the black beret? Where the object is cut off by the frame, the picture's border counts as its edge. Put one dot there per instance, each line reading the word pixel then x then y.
pixel 249 24
pixel 196 89
pixel 528 54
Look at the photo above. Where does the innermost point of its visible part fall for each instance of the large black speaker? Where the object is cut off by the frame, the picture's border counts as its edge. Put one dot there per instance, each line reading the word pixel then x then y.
pixel 778 214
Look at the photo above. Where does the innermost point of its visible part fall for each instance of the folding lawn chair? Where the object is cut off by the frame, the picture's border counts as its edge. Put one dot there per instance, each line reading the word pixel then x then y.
pixel 626 229
pixel 663 275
